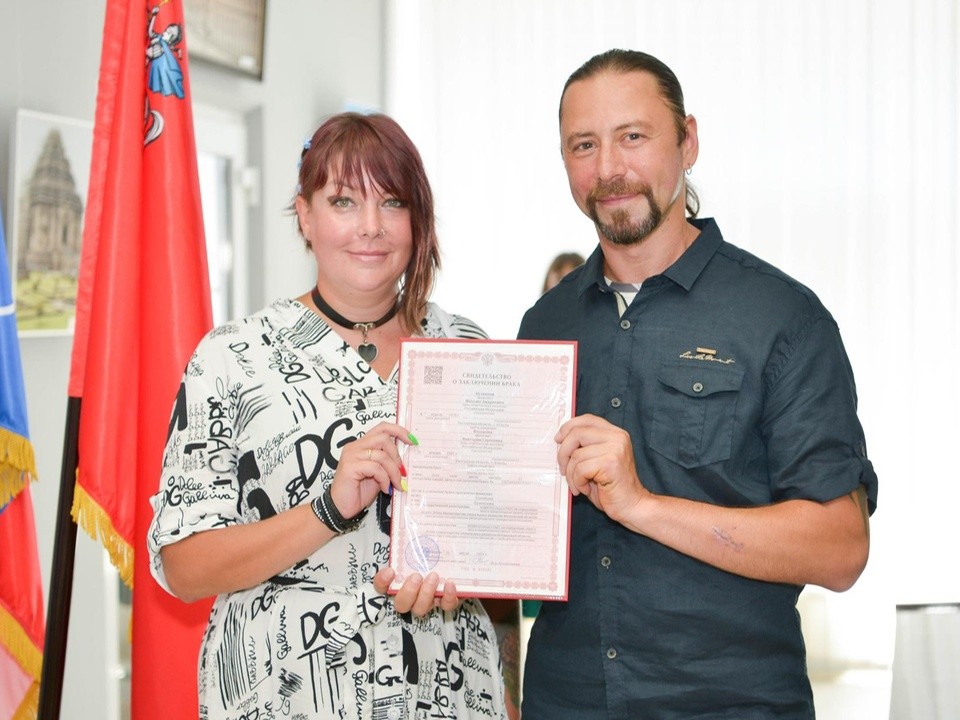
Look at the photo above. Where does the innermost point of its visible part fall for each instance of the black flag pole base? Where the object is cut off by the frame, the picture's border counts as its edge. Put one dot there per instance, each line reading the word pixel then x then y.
pixel 61 575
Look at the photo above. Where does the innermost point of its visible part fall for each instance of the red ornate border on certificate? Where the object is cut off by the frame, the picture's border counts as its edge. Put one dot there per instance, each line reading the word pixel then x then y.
pixel 414 358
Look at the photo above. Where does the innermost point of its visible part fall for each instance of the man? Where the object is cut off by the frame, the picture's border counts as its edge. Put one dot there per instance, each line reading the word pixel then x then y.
pixel 716 461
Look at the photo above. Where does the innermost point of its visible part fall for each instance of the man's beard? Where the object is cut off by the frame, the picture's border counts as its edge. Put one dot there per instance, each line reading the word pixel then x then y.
pixel 620 231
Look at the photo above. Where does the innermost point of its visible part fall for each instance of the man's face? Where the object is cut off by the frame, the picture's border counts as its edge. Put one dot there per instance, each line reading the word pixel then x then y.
pixel 623 158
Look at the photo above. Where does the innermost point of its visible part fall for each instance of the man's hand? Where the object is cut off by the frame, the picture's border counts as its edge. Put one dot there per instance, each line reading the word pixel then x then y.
pixel 797 541
pixel 596 457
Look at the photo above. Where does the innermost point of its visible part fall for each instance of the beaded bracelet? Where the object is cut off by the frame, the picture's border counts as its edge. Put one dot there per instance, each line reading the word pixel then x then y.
pixel 327 513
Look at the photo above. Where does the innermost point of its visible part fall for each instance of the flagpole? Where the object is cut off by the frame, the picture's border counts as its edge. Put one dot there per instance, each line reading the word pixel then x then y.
pixel 61 575
pixel 142 238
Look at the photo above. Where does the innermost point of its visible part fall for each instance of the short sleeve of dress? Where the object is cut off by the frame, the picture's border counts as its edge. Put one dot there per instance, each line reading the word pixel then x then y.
pixel 815 442
pixel 439 323
pixel 199 485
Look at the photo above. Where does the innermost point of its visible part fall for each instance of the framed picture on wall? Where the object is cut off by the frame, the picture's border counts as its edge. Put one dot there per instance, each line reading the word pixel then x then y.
pixel 227 33
pixel 50 172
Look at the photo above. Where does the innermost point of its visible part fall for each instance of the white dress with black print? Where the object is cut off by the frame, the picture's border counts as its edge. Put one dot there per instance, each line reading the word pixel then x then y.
pixel 266 405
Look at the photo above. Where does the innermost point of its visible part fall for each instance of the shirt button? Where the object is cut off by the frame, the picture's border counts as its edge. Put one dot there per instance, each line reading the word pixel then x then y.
pixel 393 713
pixel 393 642
pixel 615 402
pixel 605 561
pixel 698 387
pixel 624 324
pixel 612 653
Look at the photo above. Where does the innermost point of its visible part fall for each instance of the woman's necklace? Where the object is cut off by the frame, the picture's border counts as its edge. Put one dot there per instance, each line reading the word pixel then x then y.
pixel 366 349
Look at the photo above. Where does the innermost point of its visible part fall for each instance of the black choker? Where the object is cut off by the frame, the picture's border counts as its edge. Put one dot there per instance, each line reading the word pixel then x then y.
pixel 366 350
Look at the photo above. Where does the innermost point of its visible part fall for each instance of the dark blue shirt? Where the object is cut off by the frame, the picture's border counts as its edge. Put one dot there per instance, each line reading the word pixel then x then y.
pixel 732 381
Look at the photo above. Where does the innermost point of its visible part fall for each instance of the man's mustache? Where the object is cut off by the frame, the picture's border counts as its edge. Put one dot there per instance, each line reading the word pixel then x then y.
pixel 616 187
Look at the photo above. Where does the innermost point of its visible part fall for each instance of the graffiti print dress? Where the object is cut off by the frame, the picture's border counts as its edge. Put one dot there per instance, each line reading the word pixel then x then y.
pixel 266 405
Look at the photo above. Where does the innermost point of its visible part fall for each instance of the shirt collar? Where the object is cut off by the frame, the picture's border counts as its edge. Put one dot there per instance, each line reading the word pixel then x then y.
pixel 684 272
pixel 592 274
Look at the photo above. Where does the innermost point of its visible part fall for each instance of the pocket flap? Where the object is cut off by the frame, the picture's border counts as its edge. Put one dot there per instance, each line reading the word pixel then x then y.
pixel 701 380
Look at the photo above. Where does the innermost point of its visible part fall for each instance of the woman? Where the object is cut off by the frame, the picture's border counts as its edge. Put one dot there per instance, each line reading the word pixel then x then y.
pixel 561 265
pixel 275 487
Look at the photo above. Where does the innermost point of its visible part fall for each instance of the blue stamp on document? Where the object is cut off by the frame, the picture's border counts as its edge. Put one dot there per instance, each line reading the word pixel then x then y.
pixel 422 553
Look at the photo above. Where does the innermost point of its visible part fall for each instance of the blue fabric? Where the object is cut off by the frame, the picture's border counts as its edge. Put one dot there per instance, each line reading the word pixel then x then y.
pixel 166 77
pixel 13 403
pixel 768 413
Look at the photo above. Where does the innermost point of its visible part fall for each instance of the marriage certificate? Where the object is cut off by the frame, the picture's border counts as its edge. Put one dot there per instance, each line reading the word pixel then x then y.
pixel 486 505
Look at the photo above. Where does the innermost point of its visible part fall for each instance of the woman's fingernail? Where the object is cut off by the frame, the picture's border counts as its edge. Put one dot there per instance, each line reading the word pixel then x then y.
pixel 403 470
pixel 403 484
pixel 413 439
pixel 390 489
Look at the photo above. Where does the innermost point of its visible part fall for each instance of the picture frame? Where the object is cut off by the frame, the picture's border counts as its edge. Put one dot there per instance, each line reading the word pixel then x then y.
pixel 227 34
pixel 50 173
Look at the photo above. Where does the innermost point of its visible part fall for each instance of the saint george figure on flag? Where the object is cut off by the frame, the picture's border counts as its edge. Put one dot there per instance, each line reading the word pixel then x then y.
pixel 166 77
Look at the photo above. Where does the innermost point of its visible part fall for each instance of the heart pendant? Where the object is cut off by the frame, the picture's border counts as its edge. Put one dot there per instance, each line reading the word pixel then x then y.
pixel 368 351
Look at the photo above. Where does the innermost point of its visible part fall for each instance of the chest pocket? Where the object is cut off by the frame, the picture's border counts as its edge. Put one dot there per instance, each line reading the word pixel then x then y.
pixel 694 413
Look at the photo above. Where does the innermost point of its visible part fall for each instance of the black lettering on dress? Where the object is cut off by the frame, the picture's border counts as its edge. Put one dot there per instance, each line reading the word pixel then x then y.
pixel 314 625
pixel 298 487
pixel 456 672
pixel 179 417
pixel 247 469
pixel 410 662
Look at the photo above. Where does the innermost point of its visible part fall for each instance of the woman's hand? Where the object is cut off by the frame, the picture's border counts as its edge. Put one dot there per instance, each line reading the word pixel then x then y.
pixel 368 466
pixel 418 594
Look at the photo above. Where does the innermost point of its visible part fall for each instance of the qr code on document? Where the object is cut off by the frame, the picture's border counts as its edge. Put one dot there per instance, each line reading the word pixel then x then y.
pixel 433 375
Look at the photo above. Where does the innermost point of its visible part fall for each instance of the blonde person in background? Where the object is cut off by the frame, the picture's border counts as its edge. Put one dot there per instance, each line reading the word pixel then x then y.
pixel 561 265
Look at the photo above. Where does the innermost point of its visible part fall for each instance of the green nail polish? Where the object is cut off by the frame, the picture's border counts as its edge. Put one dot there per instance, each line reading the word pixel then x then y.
pixel 413 438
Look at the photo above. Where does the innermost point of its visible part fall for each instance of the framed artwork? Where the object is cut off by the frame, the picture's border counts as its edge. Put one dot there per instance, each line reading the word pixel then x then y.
pixel 227 33
pixel 50 172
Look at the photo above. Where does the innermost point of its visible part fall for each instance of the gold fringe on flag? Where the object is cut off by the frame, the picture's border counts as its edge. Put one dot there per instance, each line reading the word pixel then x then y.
pixel 28 656
pixel 17 464
pixel 31 704
pixel 98 525
pixel 21 647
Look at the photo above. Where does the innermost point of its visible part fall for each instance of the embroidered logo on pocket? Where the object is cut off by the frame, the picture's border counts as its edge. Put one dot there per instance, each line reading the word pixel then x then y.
pixel 706 354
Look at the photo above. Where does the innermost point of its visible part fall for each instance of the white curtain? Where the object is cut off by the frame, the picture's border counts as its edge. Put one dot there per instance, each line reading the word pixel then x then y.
pixel 828 146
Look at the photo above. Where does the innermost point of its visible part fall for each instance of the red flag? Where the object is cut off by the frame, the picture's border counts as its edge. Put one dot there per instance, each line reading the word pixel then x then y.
pixel 143 302
pixel 21 610
pixel 21 590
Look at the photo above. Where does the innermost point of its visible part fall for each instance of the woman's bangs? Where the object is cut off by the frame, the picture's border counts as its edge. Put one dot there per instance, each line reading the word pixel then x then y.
pixel 363 160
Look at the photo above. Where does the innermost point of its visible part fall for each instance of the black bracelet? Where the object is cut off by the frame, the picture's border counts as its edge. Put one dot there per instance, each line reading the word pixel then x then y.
pixel 326 511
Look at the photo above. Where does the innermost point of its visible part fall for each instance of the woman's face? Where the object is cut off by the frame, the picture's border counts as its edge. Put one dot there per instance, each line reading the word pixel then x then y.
pixel 362 244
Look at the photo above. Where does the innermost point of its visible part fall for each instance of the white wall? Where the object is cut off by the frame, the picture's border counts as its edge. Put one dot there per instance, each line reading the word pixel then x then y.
pixel 319 55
